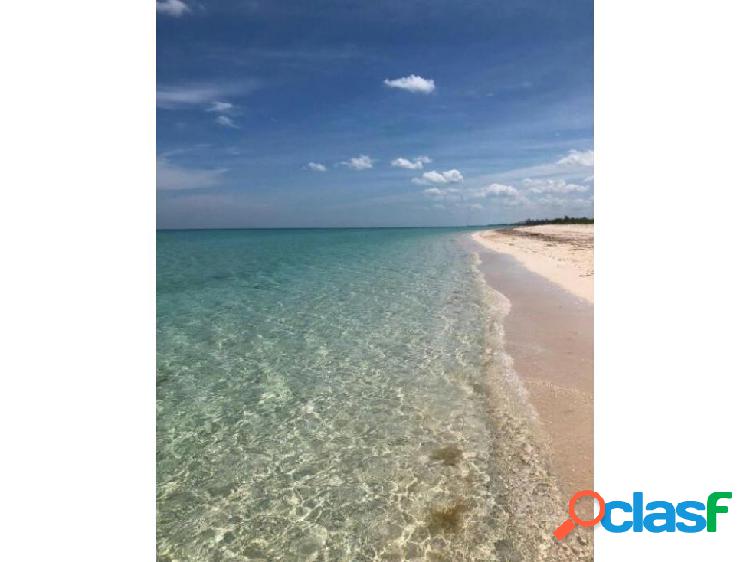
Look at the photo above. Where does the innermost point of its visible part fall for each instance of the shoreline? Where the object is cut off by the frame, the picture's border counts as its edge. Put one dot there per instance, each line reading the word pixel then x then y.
pixel 563 254
pixel 549 336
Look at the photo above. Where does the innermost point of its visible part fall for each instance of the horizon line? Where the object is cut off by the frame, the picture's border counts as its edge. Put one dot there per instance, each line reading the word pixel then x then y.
pixel 331 227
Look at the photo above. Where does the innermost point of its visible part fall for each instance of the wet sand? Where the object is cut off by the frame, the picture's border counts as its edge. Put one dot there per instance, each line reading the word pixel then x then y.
pixel 563 253
pixel 549 334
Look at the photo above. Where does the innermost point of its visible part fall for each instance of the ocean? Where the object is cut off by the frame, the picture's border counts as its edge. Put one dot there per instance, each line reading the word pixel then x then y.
pixel 340 394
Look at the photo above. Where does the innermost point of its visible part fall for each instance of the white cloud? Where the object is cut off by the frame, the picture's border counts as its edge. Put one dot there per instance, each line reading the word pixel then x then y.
pixel 566 202
pixel 174 97
pixel 412 83
pixel 560 186
pixel 447 194
pixel 220 107
pixel 361 162
pixel 434 177
pixel 576 167
pixel 540 186
pixel 315 167
pixel 185 96
pixel 504 194
pixel 496 190
pixel 453 176
pixel 494 194
pixel 576 158
pixel 416 164
pixel 174 8
pixel 226 121
pixel 551 191
pixel 170 176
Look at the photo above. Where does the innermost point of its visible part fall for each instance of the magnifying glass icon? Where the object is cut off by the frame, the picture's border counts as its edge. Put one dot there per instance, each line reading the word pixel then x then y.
pixel 569 524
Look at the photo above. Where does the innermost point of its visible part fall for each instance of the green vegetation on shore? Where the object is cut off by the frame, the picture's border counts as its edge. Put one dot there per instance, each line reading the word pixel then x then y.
pixel 534 222
pixel 560 220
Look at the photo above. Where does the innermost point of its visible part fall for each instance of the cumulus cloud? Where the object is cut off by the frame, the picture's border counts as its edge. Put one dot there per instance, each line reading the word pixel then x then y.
pixel 552 188
pixel 315 167
pixel 496 190
pixel 576 158
pixel 434 177
pixel 171 176
pixel 453 176
pixel 220 107
pixel 361 162
pixel 412 83
pixel 174 8
pixel 447 194
pixel 502 193
pixel 540 186
pixel 226 121
pixel 416 164
pixel 493 194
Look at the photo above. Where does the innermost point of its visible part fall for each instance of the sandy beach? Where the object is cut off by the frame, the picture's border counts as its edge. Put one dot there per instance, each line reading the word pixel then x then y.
pixel 563 253
pixel 547 274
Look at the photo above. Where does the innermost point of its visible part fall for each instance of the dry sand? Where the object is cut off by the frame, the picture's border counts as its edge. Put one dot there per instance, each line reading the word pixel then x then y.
pixel 547 274
pixel 563 253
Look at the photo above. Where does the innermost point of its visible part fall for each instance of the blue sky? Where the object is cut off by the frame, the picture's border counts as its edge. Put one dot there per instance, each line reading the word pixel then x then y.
pixel 292 113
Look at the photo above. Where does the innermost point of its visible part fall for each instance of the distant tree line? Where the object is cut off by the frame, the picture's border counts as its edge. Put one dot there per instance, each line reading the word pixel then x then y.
pixel 560 220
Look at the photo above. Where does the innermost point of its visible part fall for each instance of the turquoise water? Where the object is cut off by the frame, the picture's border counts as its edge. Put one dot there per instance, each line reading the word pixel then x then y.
pixel 338 395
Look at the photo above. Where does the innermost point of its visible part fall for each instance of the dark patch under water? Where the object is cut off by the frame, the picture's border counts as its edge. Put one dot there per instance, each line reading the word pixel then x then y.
pixel 449 455
pixel 447 519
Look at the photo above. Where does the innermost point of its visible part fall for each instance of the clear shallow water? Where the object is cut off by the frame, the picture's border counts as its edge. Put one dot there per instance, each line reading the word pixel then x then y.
pixel 339 395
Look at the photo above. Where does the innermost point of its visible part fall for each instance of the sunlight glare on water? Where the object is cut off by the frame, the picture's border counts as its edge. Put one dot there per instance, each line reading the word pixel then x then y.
pixel 322 395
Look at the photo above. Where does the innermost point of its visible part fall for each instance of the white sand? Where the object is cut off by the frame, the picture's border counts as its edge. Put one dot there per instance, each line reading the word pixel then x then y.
pixel 563 253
